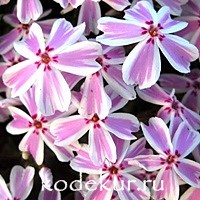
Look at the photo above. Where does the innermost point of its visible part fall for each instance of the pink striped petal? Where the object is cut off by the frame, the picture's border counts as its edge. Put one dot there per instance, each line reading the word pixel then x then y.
pixel 191 194
pixel 64 154
pixel 20 123
pixel 147 162
pixel 189 171
pixel 11 19
pixel 21 77
pixel 146 76
pixel 166 115
pixel 138 148
pixel 170 184
pixel 183 136
pixel 141 13
pixel 94 99
pixel 71 79
pixel 100 192
pixel 155 94
pixel 46 26
pixel 121 125
pixel 118 5
pixel 117 101
pixel 191 117
pixel 8 39
pixel 21 181
pixel 182 54
pixel 157 134
pixel 83 163
pixel 101 142
pixel 83 65
pixel 63 30
pixel 118 32
pixel 28 10
pixel 33 43
pixel 69 130
pixel 169 25
pixel 49 83
pixel 4 192
pixel 33 144
pixel 113 76
pixel 90 18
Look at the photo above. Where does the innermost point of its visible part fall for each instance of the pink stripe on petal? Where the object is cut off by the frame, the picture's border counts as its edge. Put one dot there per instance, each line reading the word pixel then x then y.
pixel 83 163
pixel 118 102
pixel 69 130
pixel 178 51
pixel 147 162
pixel 33 144
pixel 20 123
pixel 21 181
pixel 94 99
pixel 118 32
pixel 4 192
pixel 83 65
pixel 53 92
pixel 8 39
pixel 170 185
pixel 28 10
pixel 165 114
pixel 90 18
pixel 137 70
pixel 157 135
pixel 101 142
pixel 32 44
pixel 63 34
pixel 113 76
pixel 155 94
pixel 11 19
pixel 121 125
pixel 183 136
pixel 49 195
pixel 21 77
pixel 64 154
pixel 189 171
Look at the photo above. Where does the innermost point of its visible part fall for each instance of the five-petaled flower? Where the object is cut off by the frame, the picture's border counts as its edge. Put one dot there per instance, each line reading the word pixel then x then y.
pixel 153 32
pixel 171 159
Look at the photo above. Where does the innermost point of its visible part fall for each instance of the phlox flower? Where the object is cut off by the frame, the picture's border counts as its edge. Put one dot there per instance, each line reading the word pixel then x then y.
pixel 113 177
pixel 37 129
pixel 189 84
pixel 21 183
pixel 21 30
pixel 175 6
pixel 170 161
pixel 190 14
pixel 96 116
pixel 45 59
pixel 47 193
pixel 153 32
pixel 172 109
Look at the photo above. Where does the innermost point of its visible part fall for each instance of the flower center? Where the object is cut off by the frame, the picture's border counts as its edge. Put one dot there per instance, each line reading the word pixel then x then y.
pixel 170 159
pixel 113 170
pixel 95 118
pixel 45 58
pixel 25 26
pixel 153 31
pixel 175 105
pixel 37 124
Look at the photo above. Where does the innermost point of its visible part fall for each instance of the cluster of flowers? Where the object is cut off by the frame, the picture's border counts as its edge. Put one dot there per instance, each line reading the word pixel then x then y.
pixel 42 62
